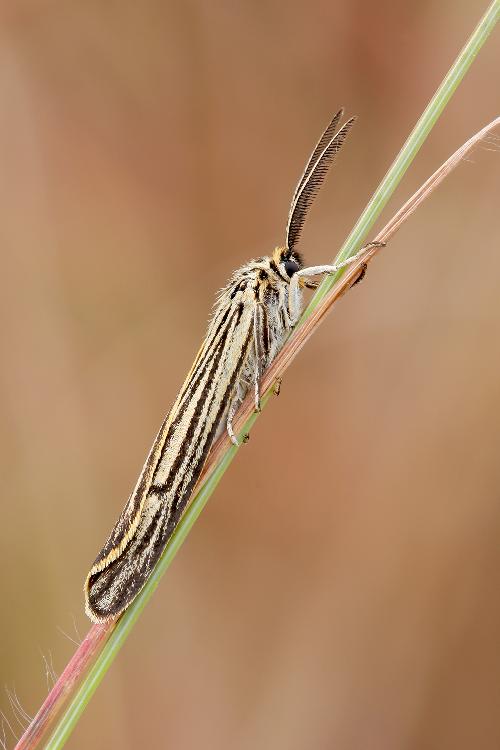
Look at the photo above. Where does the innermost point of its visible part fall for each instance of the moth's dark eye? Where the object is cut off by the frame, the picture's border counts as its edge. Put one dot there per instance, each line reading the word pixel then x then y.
pixel 291 267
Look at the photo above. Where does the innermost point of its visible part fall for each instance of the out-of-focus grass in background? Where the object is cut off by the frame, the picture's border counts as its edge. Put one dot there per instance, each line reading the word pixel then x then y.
pixel 323 600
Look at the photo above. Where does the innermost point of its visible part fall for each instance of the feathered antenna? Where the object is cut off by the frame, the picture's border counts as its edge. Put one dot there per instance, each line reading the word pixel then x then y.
pixel 315 172
pixel 321 144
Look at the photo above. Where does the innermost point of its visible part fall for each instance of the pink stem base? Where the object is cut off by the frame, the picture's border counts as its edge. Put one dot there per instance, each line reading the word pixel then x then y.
pixel 74 670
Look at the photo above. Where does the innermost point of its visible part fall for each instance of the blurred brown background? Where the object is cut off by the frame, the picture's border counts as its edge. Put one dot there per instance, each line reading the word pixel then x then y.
pixel 341 589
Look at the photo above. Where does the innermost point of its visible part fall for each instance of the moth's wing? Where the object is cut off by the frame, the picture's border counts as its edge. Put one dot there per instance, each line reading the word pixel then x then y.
pixel 312 181
pixel 124 530
pixel 171 470
pixel 111 587
pixel 129 518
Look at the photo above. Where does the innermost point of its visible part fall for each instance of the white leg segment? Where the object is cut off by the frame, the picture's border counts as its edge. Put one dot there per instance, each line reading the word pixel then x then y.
pixel 294 298
pixel 229 422
pixel 317 270
pixel 258 355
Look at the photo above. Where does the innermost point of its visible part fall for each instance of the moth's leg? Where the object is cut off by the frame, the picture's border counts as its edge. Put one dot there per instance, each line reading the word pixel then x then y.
pixel 258 322
pixel 277 386
pixel 320 270
pixel 294 299
pixel 241 386
pixel 370 245
pixel 284 307
pixel 233 408
pixel 364 267
pixel 361 275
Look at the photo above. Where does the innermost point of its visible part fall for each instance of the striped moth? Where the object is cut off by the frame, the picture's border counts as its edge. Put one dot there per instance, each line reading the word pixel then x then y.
pixel 253 316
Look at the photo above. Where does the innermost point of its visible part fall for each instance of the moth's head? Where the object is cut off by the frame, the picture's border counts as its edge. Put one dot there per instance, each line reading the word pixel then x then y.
pixel 287 261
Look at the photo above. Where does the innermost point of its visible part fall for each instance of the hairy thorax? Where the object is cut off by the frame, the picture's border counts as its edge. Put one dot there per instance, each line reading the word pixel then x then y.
pixel 258 284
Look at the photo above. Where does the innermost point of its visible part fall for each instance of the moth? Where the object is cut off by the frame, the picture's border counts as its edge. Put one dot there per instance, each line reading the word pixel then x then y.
pixel 254 314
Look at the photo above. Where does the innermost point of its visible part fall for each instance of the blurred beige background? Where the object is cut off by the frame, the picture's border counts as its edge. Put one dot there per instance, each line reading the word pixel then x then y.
pixel 346 594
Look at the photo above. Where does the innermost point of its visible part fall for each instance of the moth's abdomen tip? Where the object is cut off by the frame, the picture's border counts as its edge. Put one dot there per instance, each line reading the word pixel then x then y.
pixel 95 608
pixel 93 616
pixel 90 610
pixel 97 615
